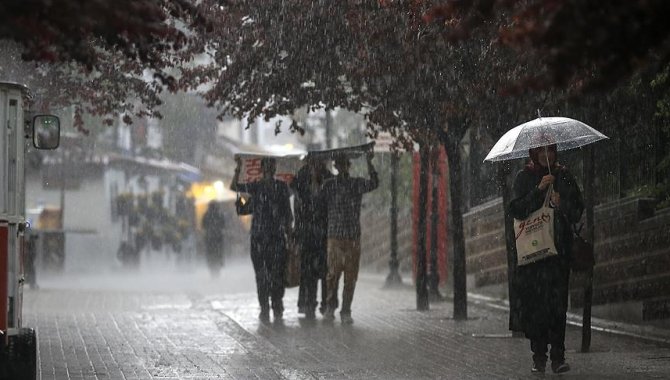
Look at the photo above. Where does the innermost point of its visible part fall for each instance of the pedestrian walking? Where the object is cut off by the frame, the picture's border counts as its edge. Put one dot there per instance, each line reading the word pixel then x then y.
pixel 343 196
pixel 311 229
pixel 543 285
pixel 270 229
pixel 213 223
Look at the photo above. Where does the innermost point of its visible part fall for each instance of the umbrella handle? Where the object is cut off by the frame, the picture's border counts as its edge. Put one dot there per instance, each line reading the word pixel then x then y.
pixel 547 198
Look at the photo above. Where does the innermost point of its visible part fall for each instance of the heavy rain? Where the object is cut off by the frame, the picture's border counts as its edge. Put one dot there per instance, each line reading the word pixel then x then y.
pixel 357 189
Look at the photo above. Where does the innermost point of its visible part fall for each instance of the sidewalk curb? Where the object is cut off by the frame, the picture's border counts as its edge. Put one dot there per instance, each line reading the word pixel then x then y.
pixel 646 333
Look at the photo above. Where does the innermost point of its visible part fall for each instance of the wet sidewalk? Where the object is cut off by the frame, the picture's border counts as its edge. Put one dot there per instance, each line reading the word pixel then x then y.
pixel 192 327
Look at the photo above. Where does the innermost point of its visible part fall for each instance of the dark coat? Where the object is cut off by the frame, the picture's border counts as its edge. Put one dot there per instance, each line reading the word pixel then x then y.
pixel 543 286
pixel 213 222
pixel 311 216
pixel 311 223
pixel 271 212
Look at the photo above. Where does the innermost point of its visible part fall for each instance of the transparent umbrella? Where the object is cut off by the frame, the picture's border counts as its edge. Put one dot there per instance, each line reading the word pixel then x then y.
pixel 566 133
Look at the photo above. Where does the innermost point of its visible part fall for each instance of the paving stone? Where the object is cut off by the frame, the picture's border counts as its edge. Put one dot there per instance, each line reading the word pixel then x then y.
pixel 194 327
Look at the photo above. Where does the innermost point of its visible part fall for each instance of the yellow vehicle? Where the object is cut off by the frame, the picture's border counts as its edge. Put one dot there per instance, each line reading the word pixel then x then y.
pixel 18 344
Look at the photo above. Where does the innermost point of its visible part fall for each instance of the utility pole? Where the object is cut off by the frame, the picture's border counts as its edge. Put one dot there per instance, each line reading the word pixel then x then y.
pixel 590 234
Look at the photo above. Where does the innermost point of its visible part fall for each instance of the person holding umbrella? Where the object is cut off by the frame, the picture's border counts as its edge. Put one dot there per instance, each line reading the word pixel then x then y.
pixel 543 285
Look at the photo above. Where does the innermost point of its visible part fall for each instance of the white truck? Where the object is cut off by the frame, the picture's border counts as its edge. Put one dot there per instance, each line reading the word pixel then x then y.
pixel 18 344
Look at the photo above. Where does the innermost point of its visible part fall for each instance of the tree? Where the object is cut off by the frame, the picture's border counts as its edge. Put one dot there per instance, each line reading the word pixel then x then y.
pixel 104 57
pixel 583 45
pixel 375 56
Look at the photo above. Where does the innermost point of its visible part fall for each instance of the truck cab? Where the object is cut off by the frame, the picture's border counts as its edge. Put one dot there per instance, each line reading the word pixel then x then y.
pixel 18 344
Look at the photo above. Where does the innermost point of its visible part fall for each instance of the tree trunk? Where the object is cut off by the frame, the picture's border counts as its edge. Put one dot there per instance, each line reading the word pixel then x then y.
pixel 393 279
pixel 434 274
pixel 451 145
pixel 421 278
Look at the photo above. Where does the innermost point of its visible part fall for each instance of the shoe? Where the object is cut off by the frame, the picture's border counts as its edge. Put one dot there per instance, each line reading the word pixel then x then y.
pixel 346 319
pixel 560 367
pixel 310 314
pixel 264 316
pixel 538 367
pixel 329 315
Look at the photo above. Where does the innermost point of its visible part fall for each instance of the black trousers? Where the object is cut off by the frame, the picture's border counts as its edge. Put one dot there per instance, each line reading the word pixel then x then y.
pixel 543 296
pixel 555 337
pixel 313 268
pixel 268 255
pixel 545 311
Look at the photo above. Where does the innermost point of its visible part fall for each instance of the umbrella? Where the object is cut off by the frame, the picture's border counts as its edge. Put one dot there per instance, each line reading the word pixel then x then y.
pixel 566 133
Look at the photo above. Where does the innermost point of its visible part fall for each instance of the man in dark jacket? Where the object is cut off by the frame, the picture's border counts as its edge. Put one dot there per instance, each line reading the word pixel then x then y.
pixel 213 223
pixel 543 285
pixel 270 227
pixel 311 233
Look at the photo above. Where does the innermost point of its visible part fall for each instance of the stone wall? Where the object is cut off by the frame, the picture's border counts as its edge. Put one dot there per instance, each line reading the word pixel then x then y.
pixel 376 241
pixel 632 248
pixel 485 254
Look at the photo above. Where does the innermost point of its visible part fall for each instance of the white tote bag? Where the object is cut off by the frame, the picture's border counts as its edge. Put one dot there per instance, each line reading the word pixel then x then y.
pixel 535 234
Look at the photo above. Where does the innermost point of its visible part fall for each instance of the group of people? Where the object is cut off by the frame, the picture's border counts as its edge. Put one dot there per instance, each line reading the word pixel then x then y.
pixel 326 232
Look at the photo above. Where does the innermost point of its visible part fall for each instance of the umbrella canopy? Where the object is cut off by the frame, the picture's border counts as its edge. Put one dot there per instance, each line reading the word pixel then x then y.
pixel 566 133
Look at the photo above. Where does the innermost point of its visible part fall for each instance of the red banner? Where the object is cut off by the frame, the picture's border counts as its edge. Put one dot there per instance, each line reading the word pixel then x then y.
pixel 250 167
pixel 442 222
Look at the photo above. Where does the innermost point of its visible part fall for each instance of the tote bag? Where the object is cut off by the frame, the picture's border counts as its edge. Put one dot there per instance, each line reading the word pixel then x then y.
pixel 535 234
pixel 292 270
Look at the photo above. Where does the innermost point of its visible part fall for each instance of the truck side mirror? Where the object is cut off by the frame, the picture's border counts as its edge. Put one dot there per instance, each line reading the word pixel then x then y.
pixel 46 132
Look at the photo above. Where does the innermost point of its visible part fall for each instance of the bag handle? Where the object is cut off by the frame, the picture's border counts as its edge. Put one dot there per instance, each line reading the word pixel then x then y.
pixel 547 197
